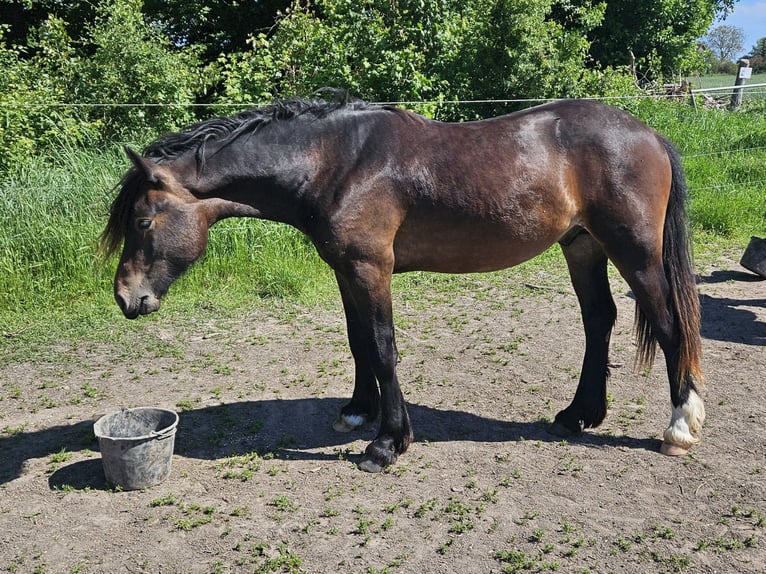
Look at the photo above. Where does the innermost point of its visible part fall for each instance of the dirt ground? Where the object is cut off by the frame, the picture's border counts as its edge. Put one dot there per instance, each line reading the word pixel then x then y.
pixel 261 483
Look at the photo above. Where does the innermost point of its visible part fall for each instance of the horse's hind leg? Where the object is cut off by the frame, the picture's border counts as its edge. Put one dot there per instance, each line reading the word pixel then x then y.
pixel 588 269
pixel 364 406
pixel 658 321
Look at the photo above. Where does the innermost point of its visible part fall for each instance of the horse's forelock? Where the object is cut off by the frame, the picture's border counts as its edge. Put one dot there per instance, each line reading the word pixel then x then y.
pixel 119 213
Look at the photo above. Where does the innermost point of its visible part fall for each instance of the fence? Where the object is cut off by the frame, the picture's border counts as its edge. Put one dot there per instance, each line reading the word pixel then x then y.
pixel 757 89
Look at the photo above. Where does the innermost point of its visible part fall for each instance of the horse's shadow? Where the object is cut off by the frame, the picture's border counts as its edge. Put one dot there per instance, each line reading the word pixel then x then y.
pixel 724 319
pixel 296 429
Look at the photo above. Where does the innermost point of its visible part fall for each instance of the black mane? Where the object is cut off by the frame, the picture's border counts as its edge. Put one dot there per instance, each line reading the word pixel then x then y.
pixel 225 130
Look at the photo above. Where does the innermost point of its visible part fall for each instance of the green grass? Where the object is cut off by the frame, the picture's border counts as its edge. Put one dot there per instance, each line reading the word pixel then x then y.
pixel 54 287
pixel 723 80
pixel 724 155
pixel 754 95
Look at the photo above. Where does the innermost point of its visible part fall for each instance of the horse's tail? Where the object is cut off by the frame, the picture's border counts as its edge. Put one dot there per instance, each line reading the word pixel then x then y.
pixel 677 260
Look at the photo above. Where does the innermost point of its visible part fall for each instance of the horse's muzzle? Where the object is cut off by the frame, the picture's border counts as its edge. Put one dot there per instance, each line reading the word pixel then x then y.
pixel 132 307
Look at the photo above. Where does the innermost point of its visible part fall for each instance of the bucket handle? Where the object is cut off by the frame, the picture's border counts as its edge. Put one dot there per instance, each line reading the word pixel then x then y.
pixel 164 432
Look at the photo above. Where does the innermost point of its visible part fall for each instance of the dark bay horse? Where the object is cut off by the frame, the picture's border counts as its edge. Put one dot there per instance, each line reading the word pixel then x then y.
pixel 380 190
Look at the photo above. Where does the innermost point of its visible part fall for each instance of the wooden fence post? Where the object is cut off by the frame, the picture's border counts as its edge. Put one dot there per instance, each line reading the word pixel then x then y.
pixel 743 72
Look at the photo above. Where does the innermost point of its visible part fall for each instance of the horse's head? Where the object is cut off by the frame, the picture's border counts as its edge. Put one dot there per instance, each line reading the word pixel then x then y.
pixel 162 225
pixel 163 228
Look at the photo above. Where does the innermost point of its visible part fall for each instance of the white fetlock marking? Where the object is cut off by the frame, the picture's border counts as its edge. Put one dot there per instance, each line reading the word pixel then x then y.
pixel 354 420
pixel 347 423
pixel 685 428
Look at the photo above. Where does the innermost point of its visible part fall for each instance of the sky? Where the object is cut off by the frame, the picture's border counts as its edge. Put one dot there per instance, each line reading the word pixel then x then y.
pixel 750 15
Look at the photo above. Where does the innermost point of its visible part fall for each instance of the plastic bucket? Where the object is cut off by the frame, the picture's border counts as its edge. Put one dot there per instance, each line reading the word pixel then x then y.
pixel 137 446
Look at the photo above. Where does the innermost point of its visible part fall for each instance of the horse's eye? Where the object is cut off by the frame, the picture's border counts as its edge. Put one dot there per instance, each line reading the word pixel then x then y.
pixel 143 224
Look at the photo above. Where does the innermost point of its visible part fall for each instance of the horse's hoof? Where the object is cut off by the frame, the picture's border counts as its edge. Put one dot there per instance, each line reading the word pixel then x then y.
pixel 369 465
pixel 562 431
pixel 559 430
pixel 347 423
pixel 673 449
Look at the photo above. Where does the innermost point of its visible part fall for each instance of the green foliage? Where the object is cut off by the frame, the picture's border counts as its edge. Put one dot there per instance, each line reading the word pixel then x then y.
pixel 216 26
pixel 118 59
pixel 725 164
pixel 661 34
pixel 131 63
pixel 421 50
pixel 51 212
pixel 758 56
pixel 33 87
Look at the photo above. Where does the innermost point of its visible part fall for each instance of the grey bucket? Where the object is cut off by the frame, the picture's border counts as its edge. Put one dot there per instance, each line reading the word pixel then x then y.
pixel 137 446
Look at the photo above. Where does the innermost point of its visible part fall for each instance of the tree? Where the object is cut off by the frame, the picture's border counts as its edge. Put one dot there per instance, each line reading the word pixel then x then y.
pixel 660 34
pixel 218 26
pixel 725 42
pixel 410 50
pixel 23 17
pixel 128 61
pixel 758 56
pixel 117 59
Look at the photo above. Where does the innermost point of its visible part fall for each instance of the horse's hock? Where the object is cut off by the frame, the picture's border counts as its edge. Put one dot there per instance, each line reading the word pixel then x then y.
pixel 754 258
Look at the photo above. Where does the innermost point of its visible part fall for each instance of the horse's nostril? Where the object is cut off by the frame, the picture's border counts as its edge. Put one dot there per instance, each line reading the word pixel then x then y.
pixel 120 301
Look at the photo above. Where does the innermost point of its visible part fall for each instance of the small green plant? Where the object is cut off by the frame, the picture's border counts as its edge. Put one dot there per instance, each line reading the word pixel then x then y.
pixel 195 516
pixel 514 561
pixel 663 532
pixel 284 504
pixel 187 405
pixel 58 458
pixel 242 467
pixel 167 500
pixel 623 544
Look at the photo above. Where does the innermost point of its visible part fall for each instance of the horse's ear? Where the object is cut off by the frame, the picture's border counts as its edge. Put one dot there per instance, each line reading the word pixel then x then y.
pixel 216 209
pixel 144 165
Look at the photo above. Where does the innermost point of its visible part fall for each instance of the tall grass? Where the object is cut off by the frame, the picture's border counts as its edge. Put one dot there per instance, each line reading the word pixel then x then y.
pixel 727 80
pixel 52 211
pixel 53 208
pixel 724 155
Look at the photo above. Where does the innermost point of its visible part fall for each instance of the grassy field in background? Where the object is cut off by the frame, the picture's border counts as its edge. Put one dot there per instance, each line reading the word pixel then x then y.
pixel 53 285
pixel 722 80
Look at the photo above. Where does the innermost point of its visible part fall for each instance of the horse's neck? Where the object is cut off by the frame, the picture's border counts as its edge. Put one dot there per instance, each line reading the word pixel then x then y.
pixel 270 179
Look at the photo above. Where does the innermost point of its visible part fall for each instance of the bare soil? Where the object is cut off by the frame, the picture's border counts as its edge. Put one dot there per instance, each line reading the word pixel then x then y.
pixel 261 483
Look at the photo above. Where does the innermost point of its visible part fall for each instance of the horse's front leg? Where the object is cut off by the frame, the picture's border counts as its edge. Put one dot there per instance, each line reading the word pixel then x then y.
pixel 364 406
pixel 369 290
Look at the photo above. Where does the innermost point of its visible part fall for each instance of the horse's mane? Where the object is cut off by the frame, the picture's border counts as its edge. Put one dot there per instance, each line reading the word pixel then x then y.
pixel 227 129
pixel 193 139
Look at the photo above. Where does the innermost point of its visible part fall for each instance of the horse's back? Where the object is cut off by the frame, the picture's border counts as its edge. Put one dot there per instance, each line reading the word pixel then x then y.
pixel 491 194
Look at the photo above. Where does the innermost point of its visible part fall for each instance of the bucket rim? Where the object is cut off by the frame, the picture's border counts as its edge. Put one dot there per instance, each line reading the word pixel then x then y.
pixel 166 431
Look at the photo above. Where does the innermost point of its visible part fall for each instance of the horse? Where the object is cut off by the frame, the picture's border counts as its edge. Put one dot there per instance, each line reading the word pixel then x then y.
pixel 381 190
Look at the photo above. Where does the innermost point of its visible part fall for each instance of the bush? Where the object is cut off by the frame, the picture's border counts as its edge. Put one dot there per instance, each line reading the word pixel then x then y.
pixel 429 51
pixel 31 95
pixel 129 62
pixel 119 60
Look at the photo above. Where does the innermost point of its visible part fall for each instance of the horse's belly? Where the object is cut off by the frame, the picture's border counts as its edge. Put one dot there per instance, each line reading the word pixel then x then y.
pixel 468 249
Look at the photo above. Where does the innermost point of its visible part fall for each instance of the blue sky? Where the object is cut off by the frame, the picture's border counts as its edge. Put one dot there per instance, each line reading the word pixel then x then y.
pixel 750 15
